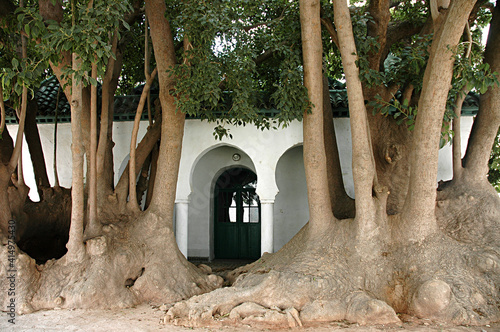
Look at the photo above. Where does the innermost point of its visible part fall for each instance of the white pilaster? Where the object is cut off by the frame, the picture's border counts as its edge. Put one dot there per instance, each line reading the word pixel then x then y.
pixel 181 225
pixel 267 226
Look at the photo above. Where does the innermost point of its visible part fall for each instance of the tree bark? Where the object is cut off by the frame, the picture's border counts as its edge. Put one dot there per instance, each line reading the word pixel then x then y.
pixel 93 225
pixel 76 250
pixel 143 149
pixel 362 157
pixel 379 11
pixel 104 148
pixel 418 212
pixel 342 204
pixel 152 175
pixel 457 136
pixel 172 127
pixel 485 128
pixel 133 203
pixel 315 163
pixel 35 147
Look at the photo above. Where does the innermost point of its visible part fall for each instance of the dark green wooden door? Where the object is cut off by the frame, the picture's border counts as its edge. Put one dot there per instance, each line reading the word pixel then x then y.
pixel 237 222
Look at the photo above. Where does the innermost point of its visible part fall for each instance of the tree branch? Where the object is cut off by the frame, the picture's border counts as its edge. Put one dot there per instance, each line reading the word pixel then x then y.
pixel 133 203
pixel 364 174
pixel 279 18
pixel 331 30
pixel 487 121
pixel 377 28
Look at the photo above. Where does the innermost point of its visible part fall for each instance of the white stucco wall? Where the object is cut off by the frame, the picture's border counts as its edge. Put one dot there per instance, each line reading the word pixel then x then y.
pixel 290 207
pixel 273 155
pixel 205 173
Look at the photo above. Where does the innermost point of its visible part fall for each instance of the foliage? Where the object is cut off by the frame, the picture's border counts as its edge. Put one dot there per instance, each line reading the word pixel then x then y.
pixel 15 71
pixel 219 75
pixel 132 48
pixel 405 65
pixel 85 31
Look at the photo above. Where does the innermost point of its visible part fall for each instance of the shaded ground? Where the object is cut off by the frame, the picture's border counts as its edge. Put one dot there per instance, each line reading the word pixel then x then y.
pixel 148 318
pixel 222 266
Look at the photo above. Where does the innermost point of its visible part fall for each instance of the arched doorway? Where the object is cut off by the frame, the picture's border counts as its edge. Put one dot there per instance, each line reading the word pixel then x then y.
pixel 236 215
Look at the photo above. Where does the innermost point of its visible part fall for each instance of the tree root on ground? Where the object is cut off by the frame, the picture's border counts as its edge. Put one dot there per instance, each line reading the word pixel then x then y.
pixel 130 263
pixel 330 279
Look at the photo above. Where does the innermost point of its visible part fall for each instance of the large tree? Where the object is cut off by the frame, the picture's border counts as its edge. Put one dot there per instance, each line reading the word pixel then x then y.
pixel 118 255
pixel 404 246
pixel 412 247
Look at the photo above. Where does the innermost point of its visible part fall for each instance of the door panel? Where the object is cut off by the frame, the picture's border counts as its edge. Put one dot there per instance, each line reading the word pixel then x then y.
pixel 237 223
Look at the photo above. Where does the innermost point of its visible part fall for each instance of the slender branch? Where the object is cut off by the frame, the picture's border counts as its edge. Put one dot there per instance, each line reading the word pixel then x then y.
pixel 147 60
pixel 56 175
pixel 457 140
pixel 365 177
pixel 251 27
pixel 105 110
pixel 92 200
pixel 148 142
pixel 485 128
pixel 331 30
pixel 132 172
pixel 16 155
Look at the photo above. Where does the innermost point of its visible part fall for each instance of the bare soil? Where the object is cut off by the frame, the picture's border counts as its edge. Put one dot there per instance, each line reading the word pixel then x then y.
pixel 150 318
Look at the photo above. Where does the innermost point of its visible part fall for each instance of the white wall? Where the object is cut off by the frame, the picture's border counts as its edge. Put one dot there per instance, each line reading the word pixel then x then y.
pixel 272 154
pixel 290 207
pixel 206 171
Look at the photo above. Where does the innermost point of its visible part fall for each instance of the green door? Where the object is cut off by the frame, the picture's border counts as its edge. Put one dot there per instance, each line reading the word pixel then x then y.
pixel 237 216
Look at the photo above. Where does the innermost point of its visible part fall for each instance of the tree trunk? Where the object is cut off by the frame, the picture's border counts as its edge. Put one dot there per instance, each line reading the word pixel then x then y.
pixel 104 155
pixel 144 148
pixel 35 147
pixel 132 171
pixel 76 249
pixel 93 227
pixel 365 181
pixel 418 212
pixel 320 209
pixel 485 128
pixel 343 205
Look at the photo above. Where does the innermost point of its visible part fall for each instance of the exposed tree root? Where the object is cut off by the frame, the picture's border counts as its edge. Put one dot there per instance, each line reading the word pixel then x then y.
pixel 328 278
pixel 131 263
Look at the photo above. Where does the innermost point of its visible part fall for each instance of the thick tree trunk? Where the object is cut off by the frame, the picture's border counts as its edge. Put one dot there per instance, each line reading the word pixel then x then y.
pixel 315 163
pixel 365 181
pixel 485 128
pixel 418 212
pixel 343 205
pixel 35 147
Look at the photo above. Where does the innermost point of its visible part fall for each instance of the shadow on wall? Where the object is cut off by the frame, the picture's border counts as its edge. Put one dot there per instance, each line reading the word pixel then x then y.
pixel 291 211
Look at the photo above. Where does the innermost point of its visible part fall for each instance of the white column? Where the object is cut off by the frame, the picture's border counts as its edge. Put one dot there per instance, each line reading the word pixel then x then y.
pixel 267 226
pixel 181 225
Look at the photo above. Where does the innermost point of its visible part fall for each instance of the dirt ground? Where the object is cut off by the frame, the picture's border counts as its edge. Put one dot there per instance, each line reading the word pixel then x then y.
pixel 148 318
